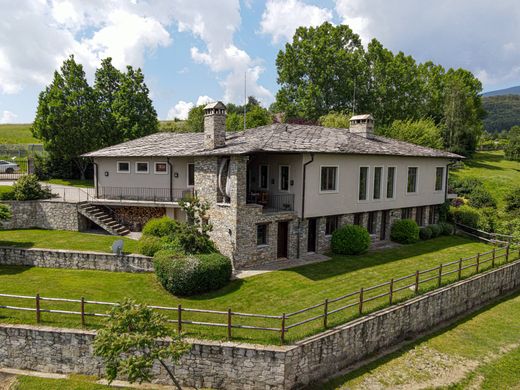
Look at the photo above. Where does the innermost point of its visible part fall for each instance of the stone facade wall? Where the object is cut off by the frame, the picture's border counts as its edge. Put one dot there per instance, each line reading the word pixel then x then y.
pixel 47 258
pixel 136 217
pixel 45 214
pixel 230 365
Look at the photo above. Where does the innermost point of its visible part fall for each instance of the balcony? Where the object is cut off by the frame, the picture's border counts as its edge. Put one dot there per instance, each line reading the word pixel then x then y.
pixel 272 202
pixel 155 195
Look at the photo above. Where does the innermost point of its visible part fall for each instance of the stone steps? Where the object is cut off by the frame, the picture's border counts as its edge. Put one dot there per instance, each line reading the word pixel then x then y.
pixel 101 217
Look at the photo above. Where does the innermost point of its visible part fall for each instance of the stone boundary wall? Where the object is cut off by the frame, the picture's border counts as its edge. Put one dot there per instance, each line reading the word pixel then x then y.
pixel 49 258
pixel 44 214
pixel 230 365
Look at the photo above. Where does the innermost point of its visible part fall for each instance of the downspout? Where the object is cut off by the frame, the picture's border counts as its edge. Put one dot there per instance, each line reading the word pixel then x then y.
pixel 171 178
pixel 303 203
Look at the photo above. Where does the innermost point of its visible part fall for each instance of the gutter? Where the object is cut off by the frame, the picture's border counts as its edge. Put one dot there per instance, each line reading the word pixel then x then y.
pixel 171 178
pixel 303 203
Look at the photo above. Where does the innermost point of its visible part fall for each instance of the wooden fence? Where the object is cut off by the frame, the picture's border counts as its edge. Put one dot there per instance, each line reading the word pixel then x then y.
pixel 348 306
pixel 492 238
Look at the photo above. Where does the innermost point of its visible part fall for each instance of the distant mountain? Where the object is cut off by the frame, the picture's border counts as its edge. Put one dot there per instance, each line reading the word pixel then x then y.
pixel 503 112
pixel 501 92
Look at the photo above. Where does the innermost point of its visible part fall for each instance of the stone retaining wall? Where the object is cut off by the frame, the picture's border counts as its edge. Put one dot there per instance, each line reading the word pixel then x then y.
pixel 48 258
pixel 242 366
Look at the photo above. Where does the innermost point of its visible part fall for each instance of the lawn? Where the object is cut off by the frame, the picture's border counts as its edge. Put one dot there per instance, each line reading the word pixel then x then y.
pixel 481 351
pixel 61 239
pixel 272 293
pixel 17 134
pixel 499 175
pixel 5 189
pixel 73 382
pixel 72 182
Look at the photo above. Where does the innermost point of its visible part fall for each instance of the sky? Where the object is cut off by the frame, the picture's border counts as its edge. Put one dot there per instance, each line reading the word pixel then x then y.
pixel 194 51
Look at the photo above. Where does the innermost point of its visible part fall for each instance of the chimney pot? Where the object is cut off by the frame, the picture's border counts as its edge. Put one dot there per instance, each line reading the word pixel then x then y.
pixel 362 125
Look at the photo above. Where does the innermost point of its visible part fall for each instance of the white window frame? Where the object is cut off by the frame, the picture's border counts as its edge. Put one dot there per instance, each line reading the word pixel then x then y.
pixel 280 178
pixel 155 168
pixel 367 198
pixel 416 180
pixel 142 162
pixel 393 184
pixel 443 180
pixel 188 175
pixel 381 182
pixel 335 191
pixel 260 176
pixel 124 162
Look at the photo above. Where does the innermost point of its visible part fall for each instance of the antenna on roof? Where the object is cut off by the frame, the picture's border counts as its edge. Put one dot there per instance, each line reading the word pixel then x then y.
pixel 245 98
pixel 354 100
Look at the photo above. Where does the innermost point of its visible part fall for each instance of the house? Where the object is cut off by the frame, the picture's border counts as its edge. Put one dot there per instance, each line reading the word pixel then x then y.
pixel 276 191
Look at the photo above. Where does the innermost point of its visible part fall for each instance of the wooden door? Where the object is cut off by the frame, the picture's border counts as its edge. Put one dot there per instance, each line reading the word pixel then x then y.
pixel 311 235
pixel 283 237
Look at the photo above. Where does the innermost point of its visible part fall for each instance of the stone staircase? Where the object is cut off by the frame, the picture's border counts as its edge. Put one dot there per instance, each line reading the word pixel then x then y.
pixel 102 217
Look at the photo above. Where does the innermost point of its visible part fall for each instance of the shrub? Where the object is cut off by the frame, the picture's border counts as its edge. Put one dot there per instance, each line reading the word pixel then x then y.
pixel 513 200
pixel 404 231
pixel 436 230
pixel 480 197
pixel 27 187
pixel 350 240
pixel 444 211
pixel 149 245
pixel 192 241
pixel 191 274
pixel 161 227
pixel 459 201
pixel 487 219
pixel 425 233
pixel 465 215
pixel 447 229
pixel 464 185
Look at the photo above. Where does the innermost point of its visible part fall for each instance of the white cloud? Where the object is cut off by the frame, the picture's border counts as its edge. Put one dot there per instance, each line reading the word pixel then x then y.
pixel 281 18
pixel 182 108
pixel 8 117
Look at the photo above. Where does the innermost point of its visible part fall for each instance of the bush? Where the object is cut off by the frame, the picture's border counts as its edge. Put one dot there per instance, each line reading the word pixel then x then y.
pixel 161 227
pixel 192 241
pixel 191 274
pixel 464 185
pixel 425 233
pixel 513 200
pixel 444 211
pixel 447 229
pixel 27 187
pixel 487 219
pixel 149 245
pixel 350 240
pixel 480 197
pixel 465 215
pixel 436 230
pixel 404 231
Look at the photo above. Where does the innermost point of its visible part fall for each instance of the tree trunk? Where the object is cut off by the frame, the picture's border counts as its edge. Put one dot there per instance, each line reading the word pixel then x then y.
pixel 170 373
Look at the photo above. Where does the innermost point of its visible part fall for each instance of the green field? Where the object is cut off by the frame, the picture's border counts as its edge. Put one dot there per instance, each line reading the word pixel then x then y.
pixel 72 182
pixel 272 293
pixel 482 351
pixel 17 134
pixel 499 175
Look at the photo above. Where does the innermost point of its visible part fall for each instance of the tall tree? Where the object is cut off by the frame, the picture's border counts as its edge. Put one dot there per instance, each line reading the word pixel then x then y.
pixel 195 121
pixel 422 132
pixel 512 148
pixel 67 117
pixel 334 119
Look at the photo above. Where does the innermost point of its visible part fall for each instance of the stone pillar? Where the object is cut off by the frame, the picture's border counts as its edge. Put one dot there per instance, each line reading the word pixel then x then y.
pixel 322 241
pixel 346 219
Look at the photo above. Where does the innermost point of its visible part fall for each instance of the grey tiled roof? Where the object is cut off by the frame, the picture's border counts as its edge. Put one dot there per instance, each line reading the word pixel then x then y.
pixel 272 138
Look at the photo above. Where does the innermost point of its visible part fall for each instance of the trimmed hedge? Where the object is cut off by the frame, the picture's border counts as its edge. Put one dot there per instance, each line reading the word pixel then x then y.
pixel 465 215
pixel 149 245
pixel 350 240
pixel 161 227
pixel 185 275
pixel 447 229
pixel 404 231
pixel 425 233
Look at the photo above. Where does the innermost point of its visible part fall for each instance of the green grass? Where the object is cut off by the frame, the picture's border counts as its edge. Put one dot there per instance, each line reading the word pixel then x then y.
pixel 61 239
pixel 74 382
pixel 481 351
pixel 17 134
pixel 72 182
pixel 5 189
pixel 499 175
pixel 271 293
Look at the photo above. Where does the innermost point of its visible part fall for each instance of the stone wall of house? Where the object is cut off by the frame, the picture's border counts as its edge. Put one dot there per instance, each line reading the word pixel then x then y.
pixel 45 214
pixel 136 217
pixel 47 258
pixel 228 365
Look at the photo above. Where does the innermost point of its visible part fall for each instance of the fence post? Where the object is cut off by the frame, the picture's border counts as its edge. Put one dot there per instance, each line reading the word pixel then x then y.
pixel 507 253
pixel 417 282
pixel 361 301
pixel 493 257
pixel 478 263
pixel 229 324
pixel 83 311
pixel 391 293
pixel 440 276
pixel 325 313
pixel 179 319
pixel 282 333
pixel 38 314
pixel 460 268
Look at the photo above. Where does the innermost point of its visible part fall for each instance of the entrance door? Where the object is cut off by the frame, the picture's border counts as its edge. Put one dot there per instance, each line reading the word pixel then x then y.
pixel 311 235
pixel 283 236
pixel 385 215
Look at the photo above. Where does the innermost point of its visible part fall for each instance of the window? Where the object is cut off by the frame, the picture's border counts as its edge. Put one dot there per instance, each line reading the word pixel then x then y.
pixel 141 167
pixel 329 178
pixel 363 183
pixel 261 234
pixel 371 224
pixel 439 176
pixel 331 224
pixel 433 213
pixel 406 213
pixel 358 219
pixel 411 186
pixel 284 178
pixel 191 175
pixel 419 216
pixel 264 177
pixel 161 168
pixel 378 172
pixel 390 182
pixel 123 167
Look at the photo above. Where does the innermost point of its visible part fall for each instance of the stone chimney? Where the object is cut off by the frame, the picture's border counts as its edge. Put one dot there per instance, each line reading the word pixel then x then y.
pixel 214 125
pixel 362 125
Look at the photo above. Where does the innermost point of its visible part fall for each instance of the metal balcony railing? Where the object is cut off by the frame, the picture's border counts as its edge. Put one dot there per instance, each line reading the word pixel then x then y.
pixel 143 194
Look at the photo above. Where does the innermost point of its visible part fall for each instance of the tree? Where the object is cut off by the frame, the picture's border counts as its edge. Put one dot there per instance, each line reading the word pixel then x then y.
pixel 195 121
pixel 234 121
pixel 133 339
pixel 257 116
pixel 5 213
pixel 67 118
pixel 335 119
pixel 422 132
pixel 512 148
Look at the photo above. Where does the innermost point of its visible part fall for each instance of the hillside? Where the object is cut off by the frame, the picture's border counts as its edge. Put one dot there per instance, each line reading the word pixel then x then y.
pixel 505 91
pixel 503 112
pixel 17 134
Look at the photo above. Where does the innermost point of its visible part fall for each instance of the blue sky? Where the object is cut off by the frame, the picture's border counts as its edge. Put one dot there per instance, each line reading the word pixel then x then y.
pixel 195 50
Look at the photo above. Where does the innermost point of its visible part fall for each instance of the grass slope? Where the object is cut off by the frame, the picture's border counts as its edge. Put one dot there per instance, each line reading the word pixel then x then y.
pixel 481 351
pixel 271 293
pixel 74 382
pixel 17 134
